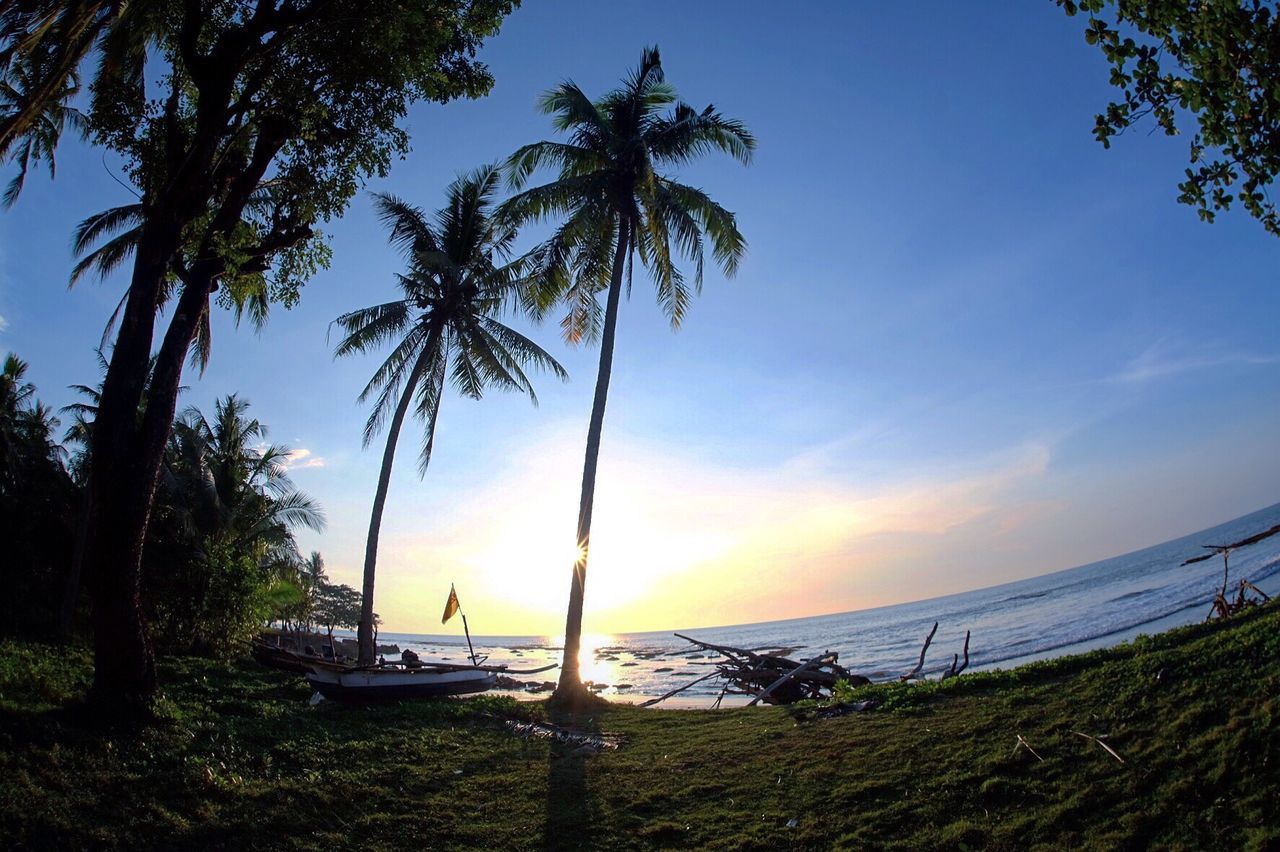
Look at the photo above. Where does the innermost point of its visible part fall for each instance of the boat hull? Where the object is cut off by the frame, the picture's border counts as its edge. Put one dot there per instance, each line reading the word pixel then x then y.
pixel 383 685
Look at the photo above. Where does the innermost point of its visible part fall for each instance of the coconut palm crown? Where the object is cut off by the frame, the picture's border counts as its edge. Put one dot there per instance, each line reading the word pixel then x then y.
pixel 459 281
pixel 616 202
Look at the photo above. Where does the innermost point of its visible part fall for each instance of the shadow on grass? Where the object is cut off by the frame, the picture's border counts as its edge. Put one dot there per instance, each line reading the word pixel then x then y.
pixel 572 811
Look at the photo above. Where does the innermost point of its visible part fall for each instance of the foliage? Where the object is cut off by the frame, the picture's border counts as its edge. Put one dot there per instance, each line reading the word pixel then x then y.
pixel 37 501
pixel 243 125
pixel 1215 62
pixel 238 759
pixel 337 607
pixel 610 188
pixel 222 544
pixel 459 281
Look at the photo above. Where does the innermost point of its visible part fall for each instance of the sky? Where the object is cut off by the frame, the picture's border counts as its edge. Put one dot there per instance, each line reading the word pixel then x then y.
pixel 967 344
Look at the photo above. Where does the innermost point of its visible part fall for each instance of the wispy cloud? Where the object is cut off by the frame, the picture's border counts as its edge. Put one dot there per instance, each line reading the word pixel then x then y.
pixel 677 540
pixel 300 459
pixel 4 323
pixel 1162 360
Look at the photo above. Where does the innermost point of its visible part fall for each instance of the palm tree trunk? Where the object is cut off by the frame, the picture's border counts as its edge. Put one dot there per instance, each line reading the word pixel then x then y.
pixel 364 632
pixel 570 685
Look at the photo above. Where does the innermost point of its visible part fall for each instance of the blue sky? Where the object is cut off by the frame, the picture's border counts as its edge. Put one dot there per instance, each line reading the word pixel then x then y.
pixel 967 344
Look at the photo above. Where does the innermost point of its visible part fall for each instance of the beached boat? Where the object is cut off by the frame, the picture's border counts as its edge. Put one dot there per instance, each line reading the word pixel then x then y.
pixel 292 661
pixel 395 682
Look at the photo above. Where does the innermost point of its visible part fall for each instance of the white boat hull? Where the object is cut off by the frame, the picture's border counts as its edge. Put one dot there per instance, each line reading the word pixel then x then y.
pixel 390 684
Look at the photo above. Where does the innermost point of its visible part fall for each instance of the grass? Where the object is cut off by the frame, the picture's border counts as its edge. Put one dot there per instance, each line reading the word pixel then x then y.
pixel 237 759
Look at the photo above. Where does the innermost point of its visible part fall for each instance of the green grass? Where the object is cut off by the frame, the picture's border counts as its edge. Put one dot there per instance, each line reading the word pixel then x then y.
pixel 237 759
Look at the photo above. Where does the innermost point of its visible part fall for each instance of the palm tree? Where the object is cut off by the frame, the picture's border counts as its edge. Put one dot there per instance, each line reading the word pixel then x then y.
pixel 234 486
pixel 458 282
pixel 617 204
pixel 46 124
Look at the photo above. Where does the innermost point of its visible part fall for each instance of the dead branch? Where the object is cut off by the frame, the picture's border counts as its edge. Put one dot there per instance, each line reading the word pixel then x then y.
pixel 653 701
pixel 920 665
pixel 955 658
pixel 818 660
pixel 1024 744
pixel 1109 749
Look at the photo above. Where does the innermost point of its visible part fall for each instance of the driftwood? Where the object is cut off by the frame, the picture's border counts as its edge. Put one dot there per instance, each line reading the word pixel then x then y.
pixel 920 665
pixel 770 677
pixel 955 658
pixel 1024 744
pixel 1244 542
pixel 777 679
pixel 653 701
pixel 1223 607
pixel 1109 749
pixel 792 675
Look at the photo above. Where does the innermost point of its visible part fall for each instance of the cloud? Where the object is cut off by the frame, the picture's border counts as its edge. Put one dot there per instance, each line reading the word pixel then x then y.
pixel 677 540
pixel 301 459
pixel 1162 360
pixel 4 323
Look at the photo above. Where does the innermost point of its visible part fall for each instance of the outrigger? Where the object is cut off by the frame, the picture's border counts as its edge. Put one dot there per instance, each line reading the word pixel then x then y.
pixel 411 678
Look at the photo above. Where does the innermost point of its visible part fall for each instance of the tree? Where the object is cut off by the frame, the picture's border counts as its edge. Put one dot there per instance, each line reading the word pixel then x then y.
pixel 204 101
pixel 36 499
pixel 617 204
pixel 1217 62
pixel 337 606
pixel 446 325
pixel 223 538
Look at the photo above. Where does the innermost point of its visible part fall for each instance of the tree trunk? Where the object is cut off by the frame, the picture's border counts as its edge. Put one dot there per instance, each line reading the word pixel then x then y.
pixel 124 665
pixel 364 632
pixel 570 686
pixel 120 495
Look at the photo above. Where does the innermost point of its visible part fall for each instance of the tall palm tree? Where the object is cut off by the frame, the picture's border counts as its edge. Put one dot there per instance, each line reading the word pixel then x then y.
pixel 459 280
pixel 616 203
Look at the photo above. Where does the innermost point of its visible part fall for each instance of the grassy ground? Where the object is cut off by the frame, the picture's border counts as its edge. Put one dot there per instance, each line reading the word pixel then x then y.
pixel 237 759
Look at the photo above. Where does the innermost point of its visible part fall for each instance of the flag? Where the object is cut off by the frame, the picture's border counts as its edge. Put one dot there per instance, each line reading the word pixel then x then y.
pixel 450 606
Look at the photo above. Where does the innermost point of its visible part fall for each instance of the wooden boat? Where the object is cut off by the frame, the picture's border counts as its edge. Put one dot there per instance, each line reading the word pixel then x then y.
pixel 286 660
pixel 386 683
pixel 392 682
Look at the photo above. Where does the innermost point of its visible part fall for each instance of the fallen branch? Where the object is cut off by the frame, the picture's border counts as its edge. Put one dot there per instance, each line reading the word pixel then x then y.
pixel 818 660
pixel 955 658
pixel 653 701
pixel 920 665
pixel 1024 744
pixel 1109 749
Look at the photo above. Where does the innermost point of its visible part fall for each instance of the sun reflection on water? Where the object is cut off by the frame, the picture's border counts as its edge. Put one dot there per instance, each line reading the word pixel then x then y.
pixel 595 662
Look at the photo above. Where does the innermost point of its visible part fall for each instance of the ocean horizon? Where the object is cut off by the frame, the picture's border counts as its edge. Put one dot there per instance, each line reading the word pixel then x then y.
pixel 1077 609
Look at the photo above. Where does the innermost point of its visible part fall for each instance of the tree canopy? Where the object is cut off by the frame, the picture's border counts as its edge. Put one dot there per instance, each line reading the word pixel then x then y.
pixel 1214 62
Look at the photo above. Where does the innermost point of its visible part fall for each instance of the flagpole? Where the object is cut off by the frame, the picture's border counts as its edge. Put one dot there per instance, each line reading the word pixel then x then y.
pixel 467 631
pixel 451 606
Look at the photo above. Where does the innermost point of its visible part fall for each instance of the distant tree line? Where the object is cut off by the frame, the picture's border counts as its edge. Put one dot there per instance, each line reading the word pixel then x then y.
pixel 220 559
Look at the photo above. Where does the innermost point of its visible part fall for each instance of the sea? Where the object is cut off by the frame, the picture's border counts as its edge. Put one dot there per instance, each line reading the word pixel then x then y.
pixel 1066 612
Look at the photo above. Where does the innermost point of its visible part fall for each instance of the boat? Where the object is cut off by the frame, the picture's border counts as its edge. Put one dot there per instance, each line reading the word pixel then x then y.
pixel 394 682
pixel 410 677
pixel 286 660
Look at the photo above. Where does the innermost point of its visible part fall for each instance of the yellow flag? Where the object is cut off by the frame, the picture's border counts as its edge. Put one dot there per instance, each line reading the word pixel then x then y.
pixel 450 606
